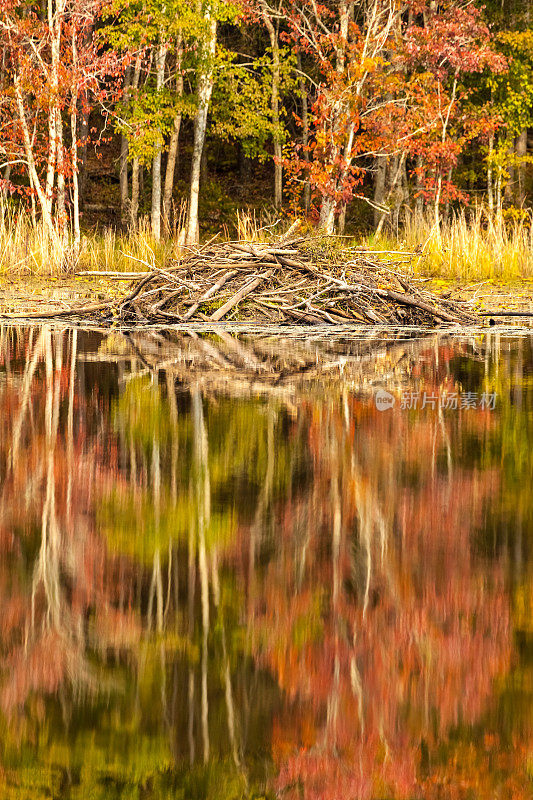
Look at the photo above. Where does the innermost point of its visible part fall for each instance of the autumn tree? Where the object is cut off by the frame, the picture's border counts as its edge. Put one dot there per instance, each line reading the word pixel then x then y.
pixel 447 43
pixel 52 65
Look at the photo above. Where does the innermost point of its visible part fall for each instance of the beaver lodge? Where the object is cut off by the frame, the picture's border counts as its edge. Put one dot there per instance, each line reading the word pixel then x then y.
pixel 289 281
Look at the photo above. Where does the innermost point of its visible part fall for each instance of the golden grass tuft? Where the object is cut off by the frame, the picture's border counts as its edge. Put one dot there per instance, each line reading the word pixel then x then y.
pixel 470 247
pixel 126 252
pixel 254 228
pixel 27 249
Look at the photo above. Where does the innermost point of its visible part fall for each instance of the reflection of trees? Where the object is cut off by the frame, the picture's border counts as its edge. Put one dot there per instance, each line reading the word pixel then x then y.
pixel 407 625
pixel 47 642
pixel 368 629
pixel 127 514
pixel 222 544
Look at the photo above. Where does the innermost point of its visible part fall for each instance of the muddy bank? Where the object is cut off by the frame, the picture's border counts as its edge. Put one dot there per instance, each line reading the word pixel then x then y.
pixel 28 295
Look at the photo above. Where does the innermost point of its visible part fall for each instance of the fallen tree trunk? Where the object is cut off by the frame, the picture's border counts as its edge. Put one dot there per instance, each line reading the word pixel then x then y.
pixel 209 293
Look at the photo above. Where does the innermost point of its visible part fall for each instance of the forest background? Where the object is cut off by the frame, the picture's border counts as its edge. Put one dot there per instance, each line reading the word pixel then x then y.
pixel 137 128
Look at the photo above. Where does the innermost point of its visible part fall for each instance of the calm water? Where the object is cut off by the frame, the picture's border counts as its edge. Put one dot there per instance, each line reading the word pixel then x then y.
pixel 225 573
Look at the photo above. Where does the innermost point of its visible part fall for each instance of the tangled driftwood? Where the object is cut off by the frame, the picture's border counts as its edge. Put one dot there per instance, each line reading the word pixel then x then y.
pixel 289 281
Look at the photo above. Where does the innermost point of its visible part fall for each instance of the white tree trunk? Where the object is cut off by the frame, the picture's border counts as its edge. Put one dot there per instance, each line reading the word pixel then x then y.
pixel 274 106
pixel 74 155
pixel 134 208
pixel 156 164
pixel 173 146
pixel 380 174
pixel 32 169
pixel 6 177
pixel 55 22
pixel 445 124
pixel 135 167
pixel 499 191
pixel 61 200
pixel 306 197
pixel 521 152
pixel 205 88
pixel 123 161
pixel 490 172
pixel 170 170
pixel 327 216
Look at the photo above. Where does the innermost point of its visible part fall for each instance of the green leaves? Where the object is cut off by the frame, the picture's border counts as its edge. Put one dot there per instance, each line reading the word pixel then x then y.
pixel 147 119
pixel 241 108
pixel 145 115
pixel 512 91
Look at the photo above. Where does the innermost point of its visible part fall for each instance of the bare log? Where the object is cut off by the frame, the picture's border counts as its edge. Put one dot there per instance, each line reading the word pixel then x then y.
pixel 242 293
pixel 210 293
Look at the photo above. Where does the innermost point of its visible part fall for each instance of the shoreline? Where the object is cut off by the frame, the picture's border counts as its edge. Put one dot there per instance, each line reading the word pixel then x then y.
pixel 30 294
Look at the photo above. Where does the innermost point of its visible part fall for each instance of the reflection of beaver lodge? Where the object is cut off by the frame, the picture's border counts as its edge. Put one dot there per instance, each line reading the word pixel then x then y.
pixel 291 281
pixel 281 364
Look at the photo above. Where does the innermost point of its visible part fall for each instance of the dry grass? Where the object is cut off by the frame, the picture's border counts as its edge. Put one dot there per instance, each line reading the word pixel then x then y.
pixel 474 247
pixel 26 249
pixel 252 227
pixel 125 252
pixel 468 248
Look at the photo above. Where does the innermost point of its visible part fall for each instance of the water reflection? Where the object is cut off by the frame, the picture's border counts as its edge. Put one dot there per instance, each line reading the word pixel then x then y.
pixel 225 573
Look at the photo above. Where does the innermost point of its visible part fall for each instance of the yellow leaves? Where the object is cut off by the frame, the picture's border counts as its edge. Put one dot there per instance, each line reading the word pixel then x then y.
pixel 529 764
pixel 523 607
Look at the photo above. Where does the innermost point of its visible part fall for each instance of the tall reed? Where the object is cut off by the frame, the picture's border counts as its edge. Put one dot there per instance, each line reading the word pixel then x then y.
pixel 26 248
pixel 127 252
pixel 470 246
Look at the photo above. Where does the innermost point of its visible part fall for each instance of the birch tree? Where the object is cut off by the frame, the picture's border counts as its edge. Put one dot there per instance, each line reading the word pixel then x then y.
pixel 271 22
pixel 172 156
pixel 156 164
pixel 52 62
pixel 347 41
pixel 205 80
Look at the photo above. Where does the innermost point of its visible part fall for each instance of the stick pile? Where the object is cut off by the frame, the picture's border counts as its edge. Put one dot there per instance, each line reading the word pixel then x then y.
pixel 297 281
